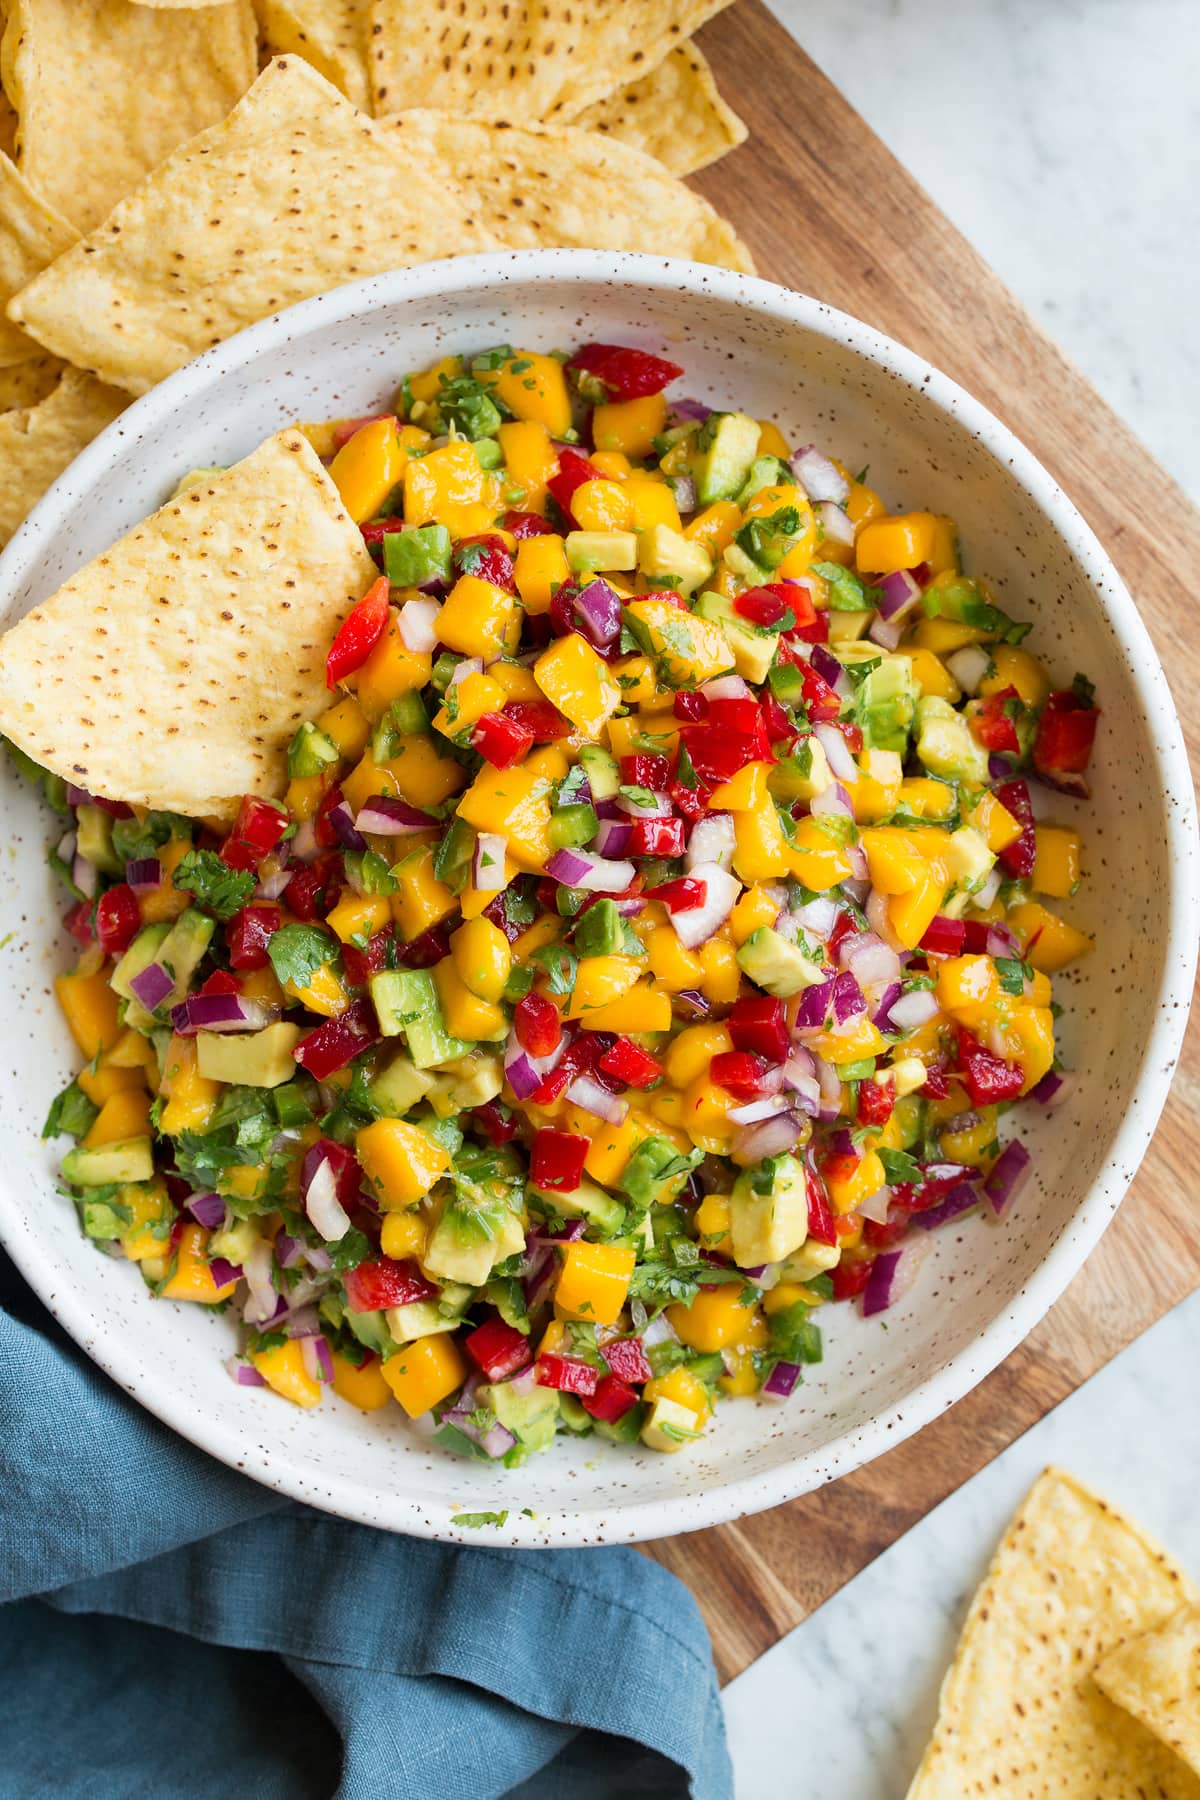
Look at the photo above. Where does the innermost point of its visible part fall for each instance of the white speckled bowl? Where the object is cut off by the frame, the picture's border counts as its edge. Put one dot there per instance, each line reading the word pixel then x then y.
pixel 828 379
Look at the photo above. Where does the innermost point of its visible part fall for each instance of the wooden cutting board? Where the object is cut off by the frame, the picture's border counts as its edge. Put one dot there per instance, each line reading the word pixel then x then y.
pixel 827 209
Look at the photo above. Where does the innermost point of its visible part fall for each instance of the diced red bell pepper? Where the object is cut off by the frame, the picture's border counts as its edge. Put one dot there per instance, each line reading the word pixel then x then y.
pixel 852 733
pixel 628 374
pixel 944 937
pixel 567 1374
pixel 323 830
pixel 820 701
pixel 681 895
pixel 992 725
pixel 360 965
pixel 937 1179
pixel 118 919
pixel 769 604
pixel 256 831
pixel 884 1235
pixel 739 715
pixel 850 1277
pixel 651 772
pixel 487 557
pixel 250 931
pixel 1018 857
pixel 372 1286
pixel 537 1024
pixel 556 1160
pixel 501 740
pixel 692 802
pixel 739 1073
pixel 426 950
pixel 313 890
pixel 347 1176
pixel 629 1064
pixel 573 470
pixel 780 726
pixel 1066 734
pixel 495 1121
pixel 656 837
pixel 345 429
pixel 359 633
pixel 876 1102
pixel 987 1078
pixel 375 530
pixel 759 1026
pixel 935 1084
pixel 578 1059
pixel 717 756
pixel 690 704
pixel 79 922
pixel 498 1349
pixel 840 1165
pixel 611 1400
pixel 843 927
pixel 220 982
pixel 540 717
pixel 338 1041
pixel 627 1359
pixel 526 524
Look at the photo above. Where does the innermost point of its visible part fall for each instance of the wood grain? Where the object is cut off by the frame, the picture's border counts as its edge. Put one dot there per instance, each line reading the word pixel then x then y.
pixel 828 210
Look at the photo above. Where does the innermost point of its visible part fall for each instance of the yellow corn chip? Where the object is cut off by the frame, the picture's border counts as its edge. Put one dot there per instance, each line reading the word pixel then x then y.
pixel 8 125
pixel 37 442
pixel 297 192
pixel 675 113
pixel 520 60
pixel 177 5
pixel 31 235
pixel 104 89
pixel 330 34
pixel 173 670
pixel 1157 1678
pixel 1020 1713
pixel 25 383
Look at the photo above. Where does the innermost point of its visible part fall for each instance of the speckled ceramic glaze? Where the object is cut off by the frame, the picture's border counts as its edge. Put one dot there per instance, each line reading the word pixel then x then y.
pixel 828 379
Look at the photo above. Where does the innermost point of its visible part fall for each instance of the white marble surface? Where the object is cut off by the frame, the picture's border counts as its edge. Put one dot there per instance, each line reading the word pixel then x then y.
pixel 846 1701
pixel 1063 138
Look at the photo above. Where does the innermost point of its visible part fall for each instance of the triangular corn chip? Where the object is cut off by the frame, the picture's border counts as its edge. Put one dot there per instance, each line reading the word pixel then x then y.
pixel 1157 1678
pixel 520 60
pixel 104 89
pixel 31 235
pixel 1020 1713
pixel 25 383
pixel 173 670
pixel 297 192
pixel 675 114
pixel 38 440
pixel 329 34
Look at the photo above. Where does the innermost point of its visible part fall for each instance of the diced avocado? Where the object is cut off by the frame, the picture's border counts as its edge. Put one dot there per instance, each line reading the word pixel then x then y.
pixel 765 471
pixel 604 777
pixel 589 1202
pixel 588 552
pixel 531 1415
pixel 625 1430
pixel 802 775
pixel 101 1221
pixel 182 950
pixel 600 932
pixel 753 646
pixel 370 1328
pixel 259 1059
pixel 420 554
pixel 452 1255
pixel 670 1426
pixel 398 1088
pixel 574 1415
pixel 726 446
pixel 424 1318
pixel 770 1224
pixel 968 859
pixel 235 1241
pixel 140 954
pixel 487 450
pixel 665 555
pixel 406 1000
pixel 130 1160
pixel 470 1081
pixel 945 744
pixel 655 1173
pixel 887 704
pixel 813 1258
pixel 94 839
pixel 848 627
pixel 776 966
pixel 310 752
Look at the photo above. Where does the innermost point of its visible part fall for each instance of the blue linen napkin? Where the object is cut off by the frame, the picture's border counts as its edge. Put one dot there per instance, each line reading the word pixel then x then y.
pixel 168 1627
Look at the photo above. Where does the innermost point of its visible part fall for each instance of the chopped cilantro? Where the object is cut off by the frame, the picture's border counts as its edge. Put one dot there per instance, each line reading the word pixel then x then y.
pixel 219 889
pixel 298 951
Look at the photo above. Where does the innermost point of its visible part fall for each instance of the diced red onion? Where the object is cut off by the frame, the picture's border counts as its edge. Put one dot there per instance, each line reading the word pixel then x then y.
pixel 525 1071
pixel 223 1271
pixel 384 815
pixel 613 837
pixel 305 847
pixel 416 622
pixel 830 1084
pixel 813 1006
pixel 877 917
pixel 868 959
pixel 755 1110
pixel 597 1100
pixel 218 1012
pixel 631 905
pixel 875 1206
pixel 317 1358
pixel 713 840
pixel 820 478
pixel 1052 1089
pixel 143 873
pixel 262 1303
pixel 881 1018
pixel 77 796
pixel 580 869
pixel 959 1200
pixel 983 897
pixel 770 1138
pixel 698 923
pixel 1001 941
pixel 969 667
pixel 694 1001
pixel 898 593
pixel 885 632
pixel 244 1373
pixel 837 752
pixel 85 875
pixel 488 862
pixel 288 1250
pixel 684 489
pixel 726 687
pixel 837 527
pixel 273 878
pixel 319 1189
pixel 817 916
pixel 857 888
pixel 833 800
pixel 688 412
pixel 151 985
pixel 781 1382
pixel 341 819
pixel 1008 1175
pixel 208 1210
pixel 302 1321
pixel 597 612
pixel 891 1281
pixel 846 998
pixel 913 1010
pixel 317 1257
pixel 470 665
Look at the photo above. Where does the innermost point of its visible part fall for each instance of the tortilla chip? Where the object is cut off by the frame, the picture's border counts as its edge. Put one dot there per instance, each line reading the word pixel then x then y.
pixel 173 670
pixel 1157 1679
pixel 104 89
pixel 8 124
pixel 675 113
pixel 31 235
pixel 1020 1713
pixel 521 60
pixel 329 34
pixel 25 383
pixel 37 442
pixel 298 192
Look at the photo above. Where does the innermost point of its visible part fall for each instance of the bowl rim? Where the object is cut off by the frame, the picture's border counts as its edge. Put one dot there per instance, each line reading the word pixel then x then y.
pixel 222 1435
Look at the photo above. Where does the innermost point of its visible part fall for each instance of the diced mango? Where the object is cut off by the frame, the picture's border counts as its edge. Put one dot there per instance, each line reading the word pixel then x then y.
pixel 577 680
pixel 652 502
pixel 191 1097
pixel 532 386
pixel 520 799
pixel 1056 868
pixel 101 1084
pixel 401 1162
pixel 425 1372
pixel 367 467
pixel 899 542
pixel 722 974
pixel 90 1007
pixel 359 916
pixel 714 527
pixel 390 671
pixel 466 1015
pixel 593 1282
pixel 192 1278
pixel 746 789
pixel 848 1188
pixel 1015 667
pixel 816 858
pixel 932 676
pixel 644 1008
pixel 282 1368
pixel 421 900
pixel 763 853
pixel 692 649
pixel 363 1386
pixel 630 426
pixel 964 981
pixel 530 459
pixel 771 441
pixel 404 1234
pixel 712 1221
pixel 123 1115
pixel 541 566
pixel 480 619
pixel 672 966
pixel 600 979
pixel 447 487
pixel 690 1054
pixel 151 1218
pixel 346 724
pixel 1050 943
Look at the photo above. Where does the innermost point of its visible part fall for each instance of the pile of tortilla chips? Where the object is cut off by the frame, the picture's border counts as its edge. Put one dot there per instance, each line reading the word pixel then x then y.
pixel 158 192
pixel 1078 1672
